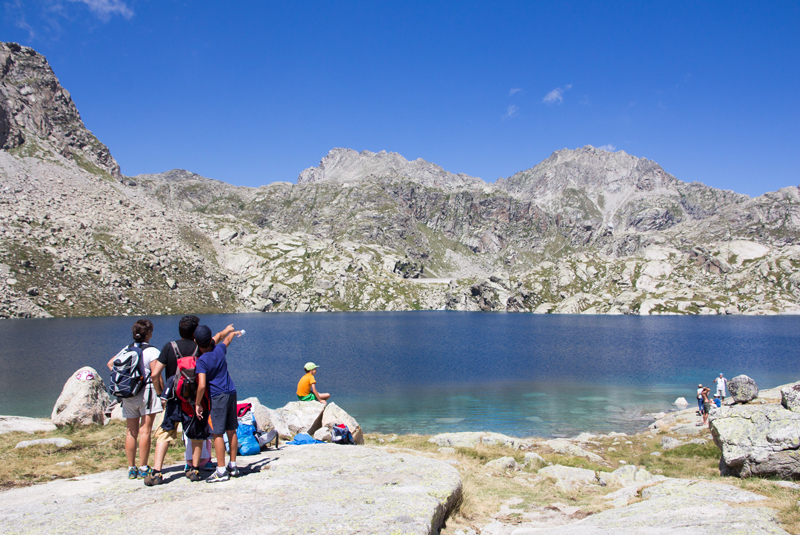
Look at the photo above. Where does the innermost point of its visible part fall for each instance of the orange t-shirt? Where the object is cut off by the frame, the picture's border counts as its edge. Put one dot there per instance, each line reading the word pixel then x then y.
pixel 304 386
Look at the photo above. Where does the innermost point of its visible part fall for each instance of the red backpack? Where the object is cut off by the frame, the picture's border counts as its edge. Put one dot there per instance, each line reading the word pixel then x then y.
pixel 186 381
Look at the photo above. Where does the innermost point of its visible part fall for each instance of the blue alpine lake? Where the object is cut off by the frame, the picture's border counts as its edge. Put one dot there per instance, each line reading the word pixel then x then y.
pixel 430 372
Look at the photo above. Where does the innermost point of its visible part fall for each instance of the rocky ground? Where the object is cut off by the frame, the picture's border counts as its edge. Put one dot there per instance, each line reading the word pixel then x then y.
pixel 666 478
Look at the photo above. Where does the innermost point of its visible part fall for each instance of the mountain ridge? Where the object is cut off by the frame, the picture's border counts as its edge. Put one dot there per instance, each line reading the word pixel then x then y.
pixel 584 231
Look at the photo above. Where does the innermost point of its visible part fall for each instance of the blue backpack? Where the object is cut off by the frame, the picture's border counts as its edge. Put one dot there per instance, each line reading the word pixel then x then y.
pixel 340 434
pixel 127 372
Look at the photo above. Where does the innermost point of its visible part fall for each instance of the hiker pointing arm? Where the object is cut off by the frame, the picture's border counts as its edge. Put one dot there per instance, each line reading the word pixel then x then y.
pixel 201 391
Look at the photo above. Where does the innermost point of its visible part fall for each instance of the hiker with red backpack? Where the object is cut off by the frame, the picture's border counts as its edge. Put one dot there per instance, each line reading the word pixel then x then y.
pixel 184 351
pixel 213 378
pixel 131 382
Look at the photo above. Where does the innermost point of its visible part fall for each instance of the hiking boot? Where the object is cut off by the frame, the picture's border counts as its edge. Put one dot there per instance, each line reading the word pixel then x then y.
pixel 216 478
pixel 133 472
pixel 144 473
pixel 153 478
pixel 233 471
pixel 194 475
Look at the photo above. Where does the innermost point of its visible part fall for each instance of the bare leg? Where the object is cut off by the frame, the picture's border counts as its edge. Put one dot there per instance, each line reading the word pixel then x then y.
pixel 233 440
pixel 323 397
pixel 197 449
pixel 161 454
pixel 130 440
pixel 219 449
pixel 144 438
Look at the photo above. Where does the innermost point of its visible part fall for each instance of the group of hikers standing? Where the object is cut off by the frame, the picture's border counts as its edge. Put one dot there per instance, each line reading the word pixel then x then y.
pixel 704 400
pixel 189 381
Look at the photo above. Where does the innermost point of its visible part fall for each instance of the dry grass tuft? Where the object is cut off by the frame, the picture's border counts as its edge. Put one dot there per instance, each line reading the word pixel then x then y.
pixel 93 449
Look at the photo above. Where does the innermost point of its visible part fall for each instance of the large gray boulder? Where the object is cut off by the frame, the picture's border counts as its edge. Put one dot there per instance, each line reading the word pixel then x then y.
pixel 790 397
pixel 82 401
pixel 743 389
pixel 761 440
pixel 300 417
pixel 334 414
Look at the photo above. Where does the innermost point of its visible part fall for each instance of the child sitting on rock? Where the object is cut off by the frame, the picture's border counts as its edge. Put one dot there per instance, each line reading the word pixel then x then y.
pixel 307 388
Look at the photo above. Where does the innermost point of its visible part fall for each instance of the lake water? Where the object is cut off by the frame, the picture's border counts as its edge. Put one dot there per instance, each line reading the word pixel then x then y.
pixel 429 372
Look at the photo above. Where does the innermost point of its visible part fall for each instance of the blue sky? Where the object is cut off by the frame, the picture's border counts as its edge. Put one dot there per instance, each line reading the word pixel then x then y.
pixel 252 92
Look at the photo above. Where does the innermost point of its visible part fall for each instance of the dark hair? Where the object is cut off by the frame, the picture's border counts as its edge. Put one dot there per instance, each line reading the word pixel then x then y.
pixel 187 325
pixel 141 329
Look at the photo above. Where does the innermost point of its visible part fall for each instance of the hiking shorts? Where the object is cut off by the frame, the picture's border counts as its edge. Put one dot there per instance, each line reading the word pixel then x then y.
pixel 143 403
pixel 223 413
pixel 707 407
pixel 308 397
pixel 165 436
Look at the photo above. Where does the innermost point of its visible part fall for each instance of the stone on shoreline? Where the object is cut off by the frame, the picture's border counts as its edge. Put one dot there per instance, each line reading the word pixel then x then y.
pixel 472 439
pixel 57 442
pixel 568 478
pixel 790 397
pixel 333 414
pixel 503 464
pixel 759 440
pixel 743 389
pixel 83 400
pixel 21 424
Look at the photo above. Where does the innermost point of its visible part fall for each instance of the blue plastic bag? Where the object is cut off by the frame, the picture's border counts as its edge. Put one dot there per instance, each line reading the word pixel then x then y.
pixel 248 445
pixel 304 438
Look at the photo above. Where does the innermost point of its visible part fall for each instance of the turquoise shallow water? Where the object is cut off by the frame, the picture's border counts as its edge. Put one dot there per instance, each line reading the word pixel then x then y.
pixel 427 372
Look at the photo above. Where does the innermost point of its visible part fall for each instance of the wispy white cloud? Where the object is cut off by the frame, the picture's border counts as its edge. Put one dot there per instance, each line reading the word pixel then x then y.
pixel 609 147
pixel 512 111
pixel 105 9
pixel 514 90
pixel 556 95
pixel 14 10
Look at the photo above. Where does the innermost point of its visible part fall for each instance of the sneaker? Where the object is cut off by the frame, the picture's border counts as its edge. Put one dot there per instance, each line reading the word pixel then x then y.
pixel 153 478
pixel 194 475
pixel 144 473
pixel 210 466
pixel 233 471
pixel 133 472
pixel 215 477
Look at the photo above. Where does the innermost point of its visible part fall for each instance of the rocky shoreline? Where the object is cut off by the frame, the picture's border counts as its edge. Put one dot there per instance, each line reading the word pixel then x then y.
pixel 591 483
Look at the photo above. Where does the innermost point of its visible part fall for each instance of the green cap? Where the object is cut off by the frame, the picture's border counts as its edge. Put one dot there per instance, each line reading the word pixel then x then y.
pixel 310 366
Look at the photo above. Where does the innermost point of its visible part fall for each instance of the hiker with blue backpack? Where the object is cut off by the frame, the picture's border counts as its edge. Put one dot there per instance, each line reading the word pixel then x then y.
pixel 131 383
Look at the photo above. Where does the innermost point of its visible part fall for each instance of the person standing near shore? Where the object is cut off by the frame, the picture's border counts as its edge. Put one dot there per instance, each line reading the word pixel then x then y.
pixel 721 384
pixel 700 399
pixel 168 360
pixel 140 410
pixel 707 404
pixel 212 373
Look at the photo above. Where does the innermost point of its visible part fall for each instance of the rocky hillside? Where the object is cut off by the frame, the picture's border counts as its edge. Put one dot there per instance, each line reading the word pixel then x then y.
pixel 585 231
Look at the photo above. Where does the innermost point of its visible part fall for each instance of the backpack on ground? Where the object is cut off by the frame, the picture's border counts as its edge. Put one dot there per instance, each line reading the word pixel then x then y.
pixel 127 372
pixel 340 434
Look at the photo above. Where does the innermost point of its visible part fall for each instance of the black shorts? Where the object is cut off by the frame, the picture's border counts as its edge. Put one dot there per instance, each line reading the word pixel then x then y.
pixel 223 413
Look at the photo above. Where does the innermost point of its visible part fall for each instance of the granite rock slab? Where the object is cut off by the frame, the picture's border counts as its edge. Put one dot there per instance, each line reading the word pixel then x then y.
pixel 679 507
pixel 22 424
pixel 761 440
pixel 324 489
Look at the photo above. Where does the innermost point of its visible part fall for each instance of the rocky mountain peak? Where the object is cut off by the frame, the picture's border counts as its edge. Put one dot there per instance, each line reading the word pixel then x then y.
pixel 590 169
pixel 347 166
pixel 36 113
